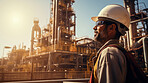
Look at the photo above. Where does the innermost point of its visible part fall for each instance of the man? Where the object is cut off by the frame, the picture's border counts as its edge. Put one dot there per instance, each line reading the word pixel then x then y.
pixel 111 65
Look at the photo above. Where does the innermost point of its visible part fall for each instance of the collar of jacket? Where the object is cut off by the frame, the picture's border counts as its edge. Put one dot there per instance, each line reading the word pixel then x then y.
pixel 112 41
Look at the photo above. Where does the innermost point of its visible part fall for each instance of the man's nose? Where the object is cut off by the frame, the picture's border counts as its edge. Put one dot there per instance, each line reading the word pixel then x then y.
pixel 95 28
pixel 99 27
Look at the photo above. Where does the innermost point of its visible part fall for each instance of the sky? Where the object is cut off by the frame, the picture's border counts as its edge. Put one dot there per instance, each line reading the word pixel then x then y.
pixel 16 19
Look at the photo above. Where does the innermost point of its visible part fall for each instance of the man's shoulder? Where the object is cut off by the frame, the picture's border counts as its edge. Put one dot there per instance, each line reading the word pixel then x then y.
pixel 111 49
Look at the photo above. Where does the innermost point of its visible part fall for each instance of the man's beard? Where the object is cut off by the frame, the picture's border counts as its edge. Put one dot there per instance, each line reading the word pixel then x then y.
pixel 97 37
pixel 100 37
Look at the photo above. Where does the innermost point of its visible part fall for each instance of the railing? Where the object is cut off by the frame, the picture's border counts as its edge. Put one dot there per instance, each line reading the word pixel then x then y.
pixel 82 80
pixel 22 76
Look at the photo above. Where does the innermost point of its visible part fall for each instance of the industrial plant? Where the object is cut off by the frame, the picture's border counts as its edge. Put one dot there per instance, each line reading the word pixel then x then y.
pixel 56 53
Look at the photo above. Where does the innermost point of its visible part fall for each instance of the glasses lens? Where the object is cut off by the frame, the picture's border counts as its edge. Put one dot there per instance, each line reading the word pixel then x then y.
pixel 104 22
pixel 99 23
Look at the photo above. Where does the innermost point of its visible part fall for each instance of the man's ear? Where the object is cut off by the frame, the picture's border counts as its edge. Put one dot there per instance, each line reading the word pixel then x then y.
pixel 112 30
pixel 112 27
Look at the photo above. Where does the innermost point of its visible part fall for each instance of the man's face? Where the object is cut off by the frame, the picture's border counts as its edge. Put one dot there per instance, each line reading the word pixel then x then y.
pixel 104 31
pixel 100 33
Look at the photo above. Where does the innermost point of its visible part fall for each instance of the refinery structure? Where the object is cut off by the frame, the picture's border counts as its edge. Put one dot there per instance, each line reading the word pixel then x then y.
pixel 56 49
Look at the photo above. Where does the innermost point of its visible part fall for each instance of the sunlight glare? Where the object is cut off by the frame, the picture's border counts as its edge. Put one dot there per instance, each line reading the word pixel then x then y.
pixel 15 20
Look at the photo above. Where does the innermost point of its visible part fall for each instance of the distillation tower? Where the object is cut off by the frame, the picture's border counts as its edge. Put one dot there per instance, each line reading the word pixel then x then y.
pixel 62 22
pixel 54 48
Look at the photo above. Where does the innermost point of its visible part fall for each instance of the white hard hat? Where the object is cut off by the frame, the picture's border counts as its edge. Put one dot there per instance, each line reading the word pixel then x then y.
pixel 116 13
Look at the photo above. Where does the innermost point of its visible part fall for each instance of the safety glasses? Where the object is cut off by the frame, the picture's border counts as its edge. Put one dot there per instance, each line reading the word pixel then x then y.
pixel 103 22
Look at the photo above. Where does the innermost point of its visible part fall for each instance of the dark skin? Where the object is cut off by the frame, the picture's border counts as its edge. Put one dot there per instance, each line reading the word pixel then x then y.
pixel 103 33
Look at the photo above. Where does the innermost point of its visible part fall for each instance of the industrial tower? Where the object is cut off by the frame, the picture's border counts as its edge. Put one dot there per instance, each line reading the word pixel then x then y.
pixel 62 24
pixel 55 49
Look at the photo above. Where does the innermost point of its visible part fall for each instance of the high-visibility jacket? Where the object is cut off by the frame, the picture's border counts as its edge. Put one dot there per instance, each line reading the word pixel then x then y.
pixel 115 65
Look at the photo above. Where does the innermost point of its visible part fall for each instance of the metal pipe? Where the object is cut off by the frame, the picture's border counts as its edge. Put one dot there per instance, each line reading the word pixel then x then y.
pixel 125 41
pixel 58 37
pixel 74 25
pixel 49 62
pixel 56 20
pixel 32 68
pixel 135 21
pixel 128 40
pixel 53 27
pixel 137 6
pixel 145 50
pixel 32 39
pixel 66 17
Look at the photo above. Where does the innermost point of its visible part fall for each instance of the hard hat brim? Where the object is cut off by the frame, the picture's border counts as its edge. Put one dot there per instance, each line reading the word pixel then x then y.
pixel 95 18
